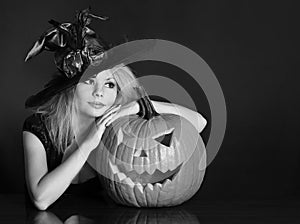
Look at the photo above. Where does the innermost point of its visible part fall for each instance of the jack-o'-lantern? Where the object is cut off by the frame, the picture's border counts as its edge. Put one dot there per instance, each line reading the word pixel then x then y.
pixel 151 159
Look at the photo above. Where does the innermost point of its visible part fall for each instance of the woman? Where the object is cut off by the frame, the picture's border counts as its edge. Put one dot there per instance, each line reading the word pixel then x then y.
pixel 71 113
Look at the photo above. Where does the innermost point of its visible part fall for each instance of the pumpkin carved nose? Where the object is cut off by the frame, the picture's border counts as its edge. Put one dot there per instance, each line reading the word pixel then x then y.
pixel 143 154
pixel 140 153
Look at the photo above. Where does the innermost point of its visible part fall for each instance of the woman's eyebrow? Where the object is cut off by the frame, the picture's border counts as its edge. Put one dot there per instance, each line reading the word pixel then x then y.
pixel 95 76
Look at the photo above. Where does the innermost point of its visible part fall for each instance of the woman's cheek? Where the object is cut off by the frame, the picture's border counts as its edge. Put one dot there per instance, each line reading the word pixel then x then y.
pixel 112 98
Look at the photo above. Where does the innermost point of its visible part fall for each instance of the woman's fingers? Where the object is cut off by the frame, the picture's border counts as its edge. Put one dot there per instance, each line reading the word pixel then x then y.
pixel 112 110
pixel 109 119
pixel 112 119
pixel 103 124
pixel 107 115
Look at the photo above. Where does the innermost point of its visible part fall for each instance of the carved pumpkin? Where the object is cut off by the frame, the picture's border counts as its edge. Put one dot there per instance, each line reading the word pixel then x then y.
pixel 151 159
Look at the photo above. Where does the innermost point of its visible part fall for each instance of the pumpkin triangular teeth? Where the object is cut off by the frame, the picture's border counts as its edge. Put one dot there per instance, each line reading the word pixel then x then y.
pixel 158 185
pixel 139 187
pixel 129 182
pixel 150 186
pixel 113 168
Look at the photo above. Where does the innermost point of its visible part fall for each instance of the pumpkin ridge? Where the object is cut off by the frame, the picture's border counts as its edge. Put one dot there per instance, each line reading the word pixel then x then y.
pixel 140 125
pixel 144 146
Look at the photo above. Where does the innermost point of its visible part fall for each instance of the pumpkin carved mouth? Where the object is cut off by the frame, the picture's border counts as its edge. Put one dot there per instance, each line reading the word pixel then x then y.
pixel 143 180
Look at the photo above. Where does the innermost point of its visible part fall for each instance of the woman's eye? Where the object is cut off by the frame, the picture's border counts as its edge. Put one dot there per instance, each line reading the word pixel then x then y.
pixel 92 82
pixel 89 81
pixel 110 85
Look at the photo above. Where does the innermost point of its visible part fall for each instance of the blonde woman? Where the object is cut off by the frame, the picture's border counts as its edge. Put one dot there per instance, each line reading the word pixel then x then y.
pixel 72 111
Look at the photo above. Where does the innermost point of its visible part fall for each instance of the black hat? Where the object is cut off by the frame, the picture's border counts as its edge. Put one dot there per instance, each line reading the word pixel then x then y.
pixel 77 47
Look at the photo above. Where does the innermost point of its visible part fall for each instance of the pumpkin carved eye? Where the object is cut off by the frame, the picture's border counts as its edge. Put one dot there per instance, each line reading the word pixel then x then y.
pixel 165 138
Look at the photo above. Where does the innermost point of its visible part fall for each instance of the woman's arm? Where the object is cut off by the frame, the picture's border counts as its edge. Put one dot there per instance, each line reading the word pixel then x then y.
pixel 45 188
pixel 86 172
pixel 192 116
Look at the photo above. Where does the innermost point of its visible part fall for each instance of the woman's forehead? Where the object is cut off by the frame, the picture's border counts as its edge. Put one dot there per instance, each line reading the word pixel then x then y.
pixel 106 74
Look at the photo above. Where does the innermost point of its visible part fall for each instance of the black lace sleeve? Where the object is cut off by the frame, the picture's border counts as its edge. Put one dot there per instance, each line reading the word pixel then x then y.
pixel 36 126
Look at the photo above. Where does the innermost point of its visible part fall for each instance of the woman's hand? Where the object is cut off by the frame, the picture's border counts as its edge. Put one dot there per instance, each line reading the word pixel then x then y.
pixel 94 133
pixel 194 117
pixel 125 110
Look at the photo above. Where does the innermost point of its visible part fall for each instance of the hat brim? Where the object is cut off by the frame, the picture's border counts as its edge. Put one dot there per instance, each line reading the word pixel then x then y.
pixel 125 54
pixel 50 90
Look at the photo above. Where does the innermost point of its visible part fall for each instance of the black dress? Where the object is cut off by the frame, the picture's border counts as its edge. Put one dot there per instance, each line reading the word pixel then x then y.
pixel 36 125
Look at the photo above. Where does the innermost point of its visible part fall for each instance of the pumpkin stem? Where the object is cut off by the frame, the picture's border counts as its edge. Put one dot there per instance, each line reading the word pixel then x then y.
pixel 147 110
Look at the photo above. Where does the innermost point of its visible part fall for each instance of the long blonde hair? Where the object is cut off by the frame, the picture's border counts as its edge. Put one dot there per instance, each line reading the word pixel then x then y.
pixel 58 112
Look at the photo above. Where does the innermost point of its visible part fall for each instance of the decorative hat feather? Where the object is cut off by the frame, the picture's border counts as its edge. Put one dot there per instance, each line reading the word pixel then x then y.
pixel 75 44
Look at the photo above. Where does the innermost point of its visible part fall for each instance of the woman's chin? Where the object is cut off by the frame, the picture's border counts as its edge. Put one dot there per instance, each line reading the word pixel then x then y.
pixel 99 112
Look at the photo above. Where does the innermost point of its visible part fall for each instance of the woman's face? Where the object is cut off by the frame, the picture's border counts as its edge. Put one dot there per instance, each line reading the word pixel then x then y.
pixel 97 94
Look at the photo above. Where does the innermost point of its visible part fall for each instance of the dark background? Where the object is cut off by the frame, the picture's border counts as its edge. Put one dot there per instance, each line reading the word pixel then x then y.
pixel 250 46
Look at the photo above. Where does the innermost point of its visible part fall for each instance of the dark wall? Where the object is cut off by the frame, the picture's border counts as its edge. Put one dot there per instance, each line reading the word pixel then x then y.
pixel 250 46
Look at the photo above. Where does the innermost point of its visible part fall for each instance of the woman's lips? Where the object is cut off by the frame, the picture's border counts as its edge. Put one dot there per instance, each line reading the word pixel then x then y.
pixel 96 105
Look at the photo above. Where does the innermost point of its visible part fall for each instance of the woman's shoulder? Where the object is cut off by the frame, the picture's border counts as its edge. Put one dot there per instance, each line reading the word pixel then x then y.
pixel 35 124
pixel 32 122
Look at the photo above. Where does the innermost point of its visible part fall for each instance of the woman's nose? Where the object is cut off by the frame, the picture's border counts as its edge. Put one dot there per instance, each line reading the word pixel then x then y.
pixel 98 92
